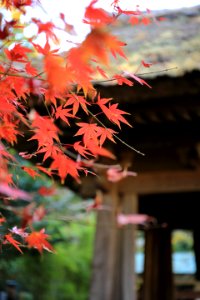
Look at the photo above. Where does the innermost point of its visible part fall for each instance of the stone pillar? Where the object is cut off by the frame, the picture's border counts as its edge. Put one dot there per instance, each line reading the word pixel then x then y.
pixel 113 263
pixel 158 278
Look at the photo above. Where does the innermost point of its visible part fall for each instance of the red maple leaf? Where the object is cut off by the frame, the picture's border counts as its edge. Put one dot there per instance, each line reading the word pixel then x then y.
pixel 58 77
pixel 10 240
pixel 63 113
pixel 97 150
pixel 8 130
pixel 45 50
pixel 145 64
pixel 77 101
pixel 89 132
pixel 81 149
pixel 47 28
pixel 97 16
pixel 45 131
pixel 114 45
pixel 44 170
pixel 122 80
pixel 99 43
pixel 30 69
pixel 78 64
pixel 64 166
pixel 18 53
pixel 112 112
pixel 38 240
pixel 49 150
pixel 102 72
pixel 105 133
pixel 30 171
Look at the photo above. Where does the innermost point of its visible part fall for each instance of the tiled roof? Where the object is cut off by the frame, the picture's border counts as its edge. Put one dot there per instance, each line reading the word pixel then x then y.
pixel 171 43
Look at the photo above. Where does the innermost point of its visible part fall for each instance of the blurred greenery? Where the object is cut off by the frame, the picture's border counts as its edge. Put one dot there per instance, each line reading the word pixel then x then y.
pixel 182 241
pixel 66 273
pixel 63 275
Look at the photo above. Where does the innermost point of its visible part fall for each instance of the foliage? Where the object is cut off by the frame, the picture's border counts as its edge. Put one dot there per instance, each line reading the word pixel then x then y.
pixel 49 105
pixel 182 241
pixel 66 274
pixel 63 275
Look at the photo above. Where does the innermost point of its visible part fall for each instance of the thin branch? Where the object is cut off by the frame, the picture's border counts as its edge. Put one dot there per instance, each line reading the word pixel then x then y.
pixel 137 74
pixel 120 140
pixel 22 76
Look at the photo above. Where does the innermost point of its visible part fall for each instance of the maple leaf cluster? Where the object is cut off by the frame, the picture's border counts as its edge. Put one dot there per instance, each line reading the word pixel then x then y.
pixel 61 85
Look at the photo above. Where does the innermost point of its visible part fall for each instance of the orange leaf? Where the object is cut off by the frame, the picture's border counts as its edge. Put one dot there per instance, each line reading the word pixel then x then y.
pixel 77 101
pixel 47 28
pixel 80 149
pixel 30 69
pixel 63 113
pixel 44 170
pixel 57 75
pixel 97 16
pixel 64 165
pixel 99 43
pixel 112 112
pixel 37 239
pixel 46 50
pixel 122 80
pixel 30 171
pixel 96 150
pixel 45 131
pixel 105 133
pixel 145 64
pixel 89 132
pixel 12 241
pixel 18 53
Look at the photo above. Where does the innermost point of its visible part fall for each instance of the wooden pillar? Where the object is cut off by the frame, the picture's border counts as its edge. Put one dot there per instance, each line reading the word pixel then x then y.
pixel 196 237
pixel 113 263
pixel 125 279
pixel 158 278
pixel 130 205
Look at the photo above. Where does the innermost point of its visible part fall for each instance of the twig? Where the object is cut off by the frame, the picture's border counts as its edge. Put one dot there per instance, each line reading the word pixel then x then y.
pixel 137 74
pixel 120 140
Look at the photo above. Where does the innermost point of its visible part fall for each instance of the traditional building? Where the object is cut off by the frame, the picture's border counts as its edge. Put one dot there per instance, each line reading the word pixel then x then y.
pixel 166 122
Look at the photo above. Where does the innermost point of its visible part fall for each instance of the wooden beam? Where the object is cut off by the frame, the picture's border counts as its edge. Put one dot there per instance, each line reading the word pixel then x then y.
pixel 161 182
